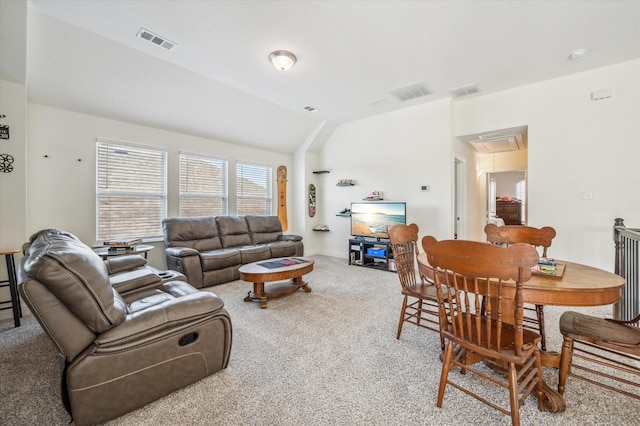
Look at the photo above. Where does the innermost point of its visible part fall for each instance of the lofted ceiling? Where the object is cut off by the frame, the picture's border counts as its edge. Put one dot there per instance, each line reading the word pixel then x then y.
pixel 352 57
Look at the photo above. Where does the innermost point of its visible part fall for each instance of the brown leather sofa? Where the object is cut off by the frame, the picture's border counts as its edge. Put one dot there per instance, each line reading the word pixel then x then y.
pixel 126 334
pixel 210 250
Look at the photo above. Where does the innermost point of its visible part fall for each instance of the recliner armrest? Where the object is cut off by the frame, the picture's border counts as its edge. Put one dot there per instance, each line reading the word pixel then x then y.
pixel 290 237
pixel 124 263
pixel 181 251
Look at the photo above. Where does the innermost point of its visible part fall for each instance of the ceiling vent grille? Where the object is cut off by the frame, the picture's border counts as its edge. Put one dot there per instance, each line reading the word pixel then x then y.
pixel 157 40
pixel 465 90
pixel 411 91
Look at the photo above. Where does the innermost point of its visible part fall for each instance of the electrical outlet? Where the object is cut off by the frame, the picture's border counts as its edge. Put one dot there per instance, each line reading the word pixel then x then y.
pixel 586 194
pixel 425 188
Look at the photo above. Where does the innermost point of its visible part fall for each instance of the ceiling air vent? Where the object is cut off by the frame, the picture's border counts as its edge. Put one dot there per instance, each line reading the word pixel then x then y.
pixel 152 38
pixel 465 90
pixel 411 91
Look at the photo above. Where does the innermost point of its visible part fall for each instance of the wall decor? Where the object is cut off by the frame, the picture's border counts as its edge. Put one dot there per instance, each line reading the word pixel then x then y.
pixel 6 162
pixel 4 129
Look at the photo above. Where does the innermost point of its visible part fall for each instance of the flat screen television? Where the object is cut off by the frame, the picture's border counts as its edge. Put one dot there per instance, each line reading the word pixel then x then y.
pixel 373 219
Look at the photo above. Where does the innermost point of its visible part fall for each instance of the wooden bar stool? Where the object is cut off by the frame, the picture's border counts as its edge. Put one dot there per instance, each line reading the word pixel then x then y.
pixel 12 283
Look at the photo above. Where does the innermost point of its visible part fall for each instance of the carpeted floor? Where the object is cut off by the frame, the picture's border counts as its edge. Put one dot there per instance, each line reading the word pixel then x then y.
pixel 329 357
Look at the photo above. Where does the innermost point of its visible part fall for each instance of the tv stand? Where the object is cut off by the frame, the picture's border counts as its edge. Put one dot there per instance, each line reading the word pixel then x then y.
pixel 371 253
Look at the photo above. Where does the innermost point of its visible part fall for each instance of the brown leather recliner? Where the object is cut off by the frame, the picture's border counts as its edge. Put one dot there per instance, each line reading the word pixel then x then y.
pixel 126 336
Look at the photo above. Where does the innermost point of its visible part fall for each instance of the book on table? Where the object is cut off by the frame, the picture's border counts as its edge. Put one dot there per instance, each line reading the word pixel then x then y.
pixel 122 243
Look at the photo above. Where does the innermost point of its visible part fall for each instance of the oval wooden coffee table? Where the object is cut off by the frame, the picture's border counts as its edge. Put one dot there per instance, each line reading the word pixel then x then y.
pixel 282 268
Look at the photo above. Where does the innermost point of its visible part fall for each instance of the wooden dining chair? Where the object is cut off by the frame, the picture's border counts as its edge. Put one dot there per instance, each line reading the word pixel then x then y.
pixel 420 303
pixel 537 237
pixel 473 270
pixel 600 351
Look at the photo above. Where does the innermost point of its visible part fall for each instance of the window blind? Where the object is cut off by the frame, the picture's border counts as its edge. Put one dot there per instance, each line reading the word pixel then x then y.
pixel 253 185
pixel 203 186
pixel 131 191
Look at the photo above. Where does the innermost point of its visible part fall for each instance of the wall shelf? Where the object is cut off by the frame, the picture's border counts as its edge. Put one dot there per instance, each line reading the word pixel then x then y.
pixel 319 172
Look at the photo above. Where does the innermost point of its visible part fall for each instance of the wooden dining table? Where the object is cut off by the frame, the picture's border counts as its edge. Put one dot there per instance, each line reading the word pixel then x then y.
pixel 579 285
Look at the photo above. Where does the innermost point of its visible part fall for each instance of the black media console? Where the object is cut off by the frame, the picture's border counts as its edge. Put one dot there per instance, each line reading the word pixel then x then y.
pixel 371 253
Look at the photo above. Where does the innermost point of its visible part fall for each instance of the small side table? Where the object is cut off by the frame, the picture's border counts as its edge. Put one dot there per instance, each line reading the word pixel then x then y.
pixel 12 283
pixel 105 253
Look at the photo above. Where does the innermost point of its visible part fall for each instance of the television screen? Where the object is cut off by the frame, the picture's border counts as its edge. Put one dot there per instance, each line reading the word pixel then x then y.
pixel 372 219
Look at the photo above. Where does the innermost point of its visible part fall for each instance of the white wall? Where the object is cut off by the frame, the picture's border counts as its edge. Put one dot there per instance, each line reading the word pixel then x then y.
pixel 506 183
pixel 394 153
pixel 61 189
pixel 13 104
pixel 574 144
pixel 13 193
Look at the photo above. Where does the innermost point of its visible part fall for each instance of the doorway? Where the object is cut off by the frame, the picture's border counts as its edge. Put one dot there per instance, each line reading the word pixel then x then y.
pixel 458 199
pixel 507 189
pixel 499 151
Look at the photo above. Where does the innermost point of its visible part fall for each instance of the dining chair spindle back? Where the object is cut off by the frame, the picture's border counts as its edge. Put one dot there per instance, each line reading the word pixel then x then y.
pixel 420 303
pixel 473 271
pixel 537 237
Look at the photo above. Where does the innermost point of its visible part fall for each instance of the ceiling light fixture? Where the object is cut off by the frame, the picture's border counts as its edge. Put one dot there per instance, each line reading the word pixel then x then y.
pixel 282 60
pixel 577 53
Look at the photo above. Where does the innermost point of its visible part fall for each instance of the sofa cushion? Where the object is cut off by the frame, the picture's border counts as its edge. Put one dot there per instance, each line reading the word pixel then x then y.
pixel 77 276
pixel 233 231
pixel 250 254
pixel 264 229
pixel 199 233
pixel 283 248
pixel 219 259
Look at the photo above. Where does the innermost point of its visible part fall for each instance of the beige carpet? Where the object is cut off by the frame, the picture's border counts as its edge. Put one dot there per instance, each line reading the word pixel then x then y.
pixel 329 357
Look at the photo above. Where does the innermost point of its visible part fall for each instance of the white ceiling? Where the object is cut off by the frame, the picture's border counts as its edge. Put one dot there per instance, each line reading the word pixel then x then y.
pixel 217 82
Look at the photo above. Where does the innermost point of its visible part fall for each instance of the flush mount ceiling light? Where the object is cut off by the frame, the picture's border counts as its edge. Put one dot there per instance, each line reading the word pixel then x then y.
pixel 282 60
pixel 577 53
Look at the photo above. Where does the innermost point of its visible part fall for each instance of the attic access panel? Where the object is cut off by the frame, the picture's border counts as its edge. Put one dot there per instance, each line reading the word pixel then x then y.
pixel 502 144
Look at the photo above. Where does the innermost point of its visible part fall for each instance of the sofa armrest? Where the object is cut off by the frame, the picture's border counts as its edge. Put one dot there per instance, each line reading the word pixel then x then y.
pixel 186 260
pixel 124 263
pixel 158 320
pixel 290 237
pixel 181 251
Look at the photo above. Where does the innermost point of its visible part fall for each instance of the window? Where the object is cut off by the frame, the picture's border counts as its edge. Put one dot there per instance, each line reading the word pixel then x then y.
pixel 253 185
pixel 131 191
pixel 203 186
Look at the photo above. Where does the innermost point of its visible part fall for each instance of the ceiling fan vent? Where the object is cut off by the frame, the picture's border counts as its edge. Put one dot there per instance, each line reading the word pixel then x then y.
pixel 465 90
pixel 152 38
pixel 411 91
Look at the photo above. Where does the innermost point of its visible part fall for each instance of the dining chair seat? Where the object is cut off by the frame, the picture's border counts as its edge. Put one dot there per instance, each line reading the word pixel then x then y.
pixel 600 351
pixel 601 331
pixel 422 291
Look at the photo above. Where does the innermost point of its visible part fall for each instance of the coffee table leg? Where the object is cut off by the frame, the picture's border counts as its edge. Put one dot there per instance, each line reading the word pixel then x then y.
pixel 258 292
pixel 301 284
